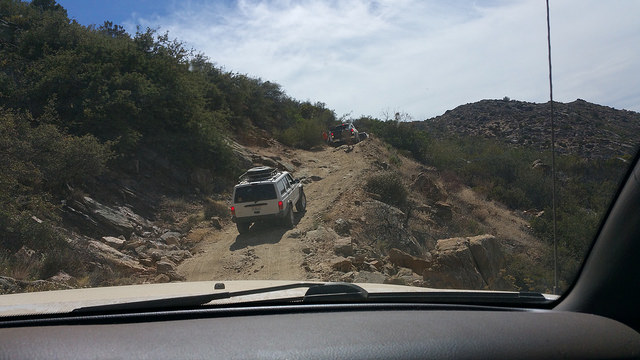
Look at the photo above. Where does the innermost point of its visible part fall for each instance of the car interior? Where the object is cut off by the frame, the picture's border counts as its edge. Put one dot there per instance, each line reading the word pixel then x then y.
pixel 597 318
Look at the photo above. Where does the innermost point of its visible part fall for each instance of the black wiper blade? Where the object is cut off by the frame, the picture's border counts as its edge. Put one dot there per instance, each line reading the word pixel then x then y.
pixel 327 293
pixel 189 301
pixel 461 297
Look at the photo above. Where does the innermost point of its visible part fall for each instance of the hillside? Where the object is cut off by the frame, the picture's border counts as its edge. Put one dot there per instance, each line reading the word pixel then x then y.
pixel 440 236
pixel 582 128
pixel 119 153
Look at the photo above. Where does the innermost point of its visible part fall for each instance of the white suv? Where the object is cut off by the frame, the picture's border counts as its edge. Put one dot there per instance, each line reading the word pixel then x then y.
pixel 266 194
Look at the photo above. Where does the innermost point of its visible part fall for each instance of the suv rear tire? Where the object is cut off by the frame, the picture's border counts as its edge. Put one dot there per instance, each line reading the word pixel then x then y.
pixel 301 205
pixel 243 226
pixel 289 220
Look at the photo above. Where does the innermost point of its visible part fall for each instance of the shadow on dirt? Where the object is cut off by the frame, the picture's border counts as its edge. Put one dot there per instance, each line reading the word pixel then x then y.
pixel 262 233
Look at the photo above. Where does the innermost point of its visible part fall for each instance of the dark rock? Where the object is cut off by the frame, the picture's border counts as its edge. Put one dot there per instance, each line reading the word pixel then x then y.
pixel 121 218
pixel 429 188
pixel 343 246
pixel 443 210
pixel 342 227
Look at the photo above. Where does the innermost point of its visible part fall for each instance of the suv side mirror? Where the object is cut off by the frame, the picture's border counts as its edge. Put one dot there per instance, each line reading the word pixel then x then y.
pixel 295 181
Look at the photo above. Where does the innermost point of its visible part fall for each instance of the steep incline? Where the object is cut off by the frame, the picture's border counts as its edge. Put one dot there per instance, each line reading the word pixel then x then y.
pixel 271 252
pixel 348 235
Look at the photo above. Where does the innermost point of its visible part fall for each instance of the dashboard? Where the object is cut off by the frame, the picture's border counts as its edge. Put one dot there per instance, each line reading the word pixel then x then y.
pixel 401 331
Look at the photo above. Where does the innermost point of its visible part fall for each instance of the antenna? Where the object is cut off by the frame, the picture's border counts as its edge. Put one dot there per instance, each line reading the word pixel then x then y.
pixel 553 162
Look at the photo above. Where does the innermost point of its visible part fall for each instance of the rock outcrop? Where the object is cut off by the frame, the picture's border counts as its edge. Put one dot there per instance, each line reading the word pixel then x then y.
pixel 465 263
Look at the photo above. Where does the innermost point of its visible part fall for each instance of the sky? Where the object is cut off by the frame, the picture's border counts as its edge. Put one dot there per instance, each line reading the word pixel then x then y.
pixel 417 57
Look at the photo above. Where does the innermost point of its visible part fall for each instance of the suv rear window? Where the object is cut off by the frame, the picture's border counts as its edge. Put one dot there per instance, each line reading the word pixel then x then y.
pixel 255 193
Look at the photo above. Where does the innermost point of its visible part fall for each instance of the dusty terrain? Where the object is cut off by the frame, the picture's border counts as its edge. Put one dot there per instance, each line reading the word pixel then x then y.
pixel 270 251
pixel 343 234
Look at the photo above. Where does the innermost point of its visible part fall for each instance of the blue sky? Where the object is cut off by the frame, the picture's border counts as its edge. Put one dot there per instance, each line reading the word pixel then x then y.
pixel 420 57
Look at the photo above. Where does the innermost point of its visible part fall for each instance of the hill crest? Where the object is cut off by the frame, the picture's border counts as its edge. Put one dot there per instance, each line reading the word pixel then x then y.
pixel 582 128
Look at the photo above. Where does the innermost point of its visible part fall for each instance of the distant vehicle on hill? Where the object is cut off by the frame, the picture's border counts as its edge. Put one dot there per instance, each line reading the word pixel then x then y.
pixel 343 133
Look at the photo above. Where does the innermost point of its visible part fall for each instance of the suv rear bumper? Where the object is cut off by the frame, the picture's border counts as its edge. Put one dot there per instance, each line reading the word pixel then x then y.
pixel 260 218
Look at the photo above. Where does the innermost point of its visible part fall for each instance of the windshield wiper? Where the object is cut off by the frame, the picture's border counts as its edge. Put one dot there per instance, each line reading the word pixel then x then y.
pixel 189 301
pixel 461 297
pixel 329 293
pixel 346 292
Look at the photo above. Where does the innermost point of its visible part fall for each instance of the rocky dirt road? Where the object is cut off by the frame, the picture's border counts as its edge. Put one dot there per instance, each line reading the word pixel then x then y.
pixel 272 252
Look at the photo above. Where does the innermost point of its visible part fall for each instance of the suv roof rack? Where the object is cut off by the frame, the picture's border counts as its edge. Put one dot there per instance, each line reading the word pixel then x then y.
pixel 259 173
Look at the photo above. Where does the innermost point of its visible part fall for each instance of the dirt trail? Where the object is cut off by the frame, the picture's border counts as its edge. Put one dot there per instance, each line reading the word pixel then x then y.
pixel 272 252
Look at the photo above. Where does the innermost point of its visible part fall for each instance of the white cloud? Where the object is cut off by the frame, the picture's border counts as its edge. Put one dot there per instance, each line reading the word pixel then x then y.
pixel 420 57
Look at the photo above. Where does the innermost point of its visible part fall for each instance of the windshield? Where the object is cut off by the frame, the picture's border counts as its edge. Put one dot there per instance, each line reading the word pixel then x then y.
pixel 124 130
pixel 253 193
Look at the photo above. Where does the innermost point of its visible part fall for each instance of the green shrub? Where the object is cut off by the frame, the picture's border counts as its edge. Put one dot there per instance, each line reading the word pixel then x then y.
pixel 305 134
pixel 389 187
pixel 215 208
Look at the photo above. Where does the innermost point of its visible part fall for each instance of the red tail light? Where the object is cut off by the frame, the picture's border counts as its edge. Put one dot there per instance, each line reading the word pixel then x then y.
pixel 280 205
pixel 351 130
pixel 233 211
pixel 331 134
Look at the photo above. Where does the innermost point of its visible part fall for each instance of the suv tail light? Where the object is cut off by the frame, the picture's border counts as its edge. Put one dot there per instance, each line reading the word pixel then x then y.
pixel 280 205
pixel 233 211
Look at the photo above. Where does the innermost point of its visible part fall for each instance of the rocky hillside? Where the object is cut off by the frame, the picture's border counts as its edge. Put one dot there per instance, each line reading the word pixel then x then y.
pixel 582 128
pixel 439 236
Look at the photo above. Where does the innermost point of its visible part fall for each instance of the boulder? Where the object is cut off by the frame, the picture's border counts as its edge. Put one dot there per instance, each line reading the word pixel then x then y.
pixel 341 264
pixel 113 256
pixel 343 246
pixel 428 188
pixel 165 266
pixel 443 210
pixel 385 224
pixel 119 219
pixel 114 242
pixel 488 256
pixel 453 266
pixel 466 263
pixel 171 238
pixel 322 234
pixel 401 258
pixel 342 227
